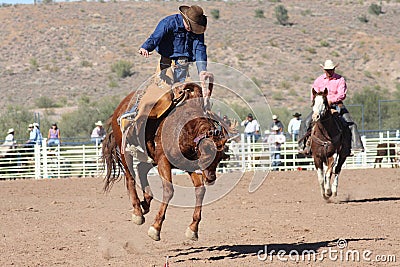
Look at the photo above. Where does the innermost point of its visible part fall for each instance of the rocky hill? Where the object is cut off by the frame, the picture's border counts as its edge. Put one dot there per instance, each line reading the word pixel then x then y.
pixel 66 50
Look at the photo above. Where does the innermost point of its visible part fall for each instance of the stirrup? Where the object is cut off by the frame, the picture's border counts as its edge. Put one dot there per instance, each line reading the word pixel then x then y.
pixel 128 115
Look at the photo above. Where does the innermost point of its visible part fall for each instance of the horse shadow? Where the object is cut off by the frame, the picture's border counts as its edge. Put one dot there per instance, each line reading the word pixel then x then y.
pixel 376 199
pixel 250 250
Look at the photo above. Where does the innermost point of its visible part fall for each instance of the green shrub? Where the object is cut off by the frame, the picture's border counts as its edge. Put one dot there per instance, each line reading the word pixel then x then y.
pixel 324 43
pixel 34 64
pixel 215 13
pixel 122 68
pixel 363 18
pixel 259 13
pixel 375 9
pixel 281 15
pixel 45 102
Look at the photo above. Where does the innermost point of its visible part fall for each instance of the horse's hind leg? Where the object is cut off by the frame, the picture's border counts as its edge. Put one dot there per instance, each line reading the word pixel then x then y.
pixel 143 170
pixel 137 214
pixel 200 190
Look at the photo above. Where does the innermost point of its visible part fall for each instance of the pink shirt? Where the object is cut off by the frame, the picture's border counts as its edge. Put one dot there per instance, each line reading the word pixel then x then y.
pixel 336 87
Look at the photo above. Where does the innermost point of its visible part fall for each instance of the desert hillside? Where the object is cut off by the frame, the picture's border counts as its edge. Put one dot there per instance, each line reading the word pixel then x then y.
pixel 66 50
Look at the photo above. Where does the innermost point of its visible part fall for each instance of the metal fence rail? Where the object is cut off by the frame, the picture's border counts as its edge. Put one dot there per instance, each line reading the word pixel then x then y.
pixel 85 160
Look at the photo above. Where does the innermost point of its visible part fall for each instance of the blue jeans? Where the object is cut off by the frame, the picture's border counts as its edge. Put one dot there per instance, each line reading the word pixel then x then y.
pixel 181 69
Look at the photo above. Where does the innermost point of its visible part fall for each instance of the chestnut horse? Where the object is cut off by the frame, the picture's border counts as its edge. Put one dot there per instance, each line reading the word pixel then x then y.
pixel 330 136
pixel 182 138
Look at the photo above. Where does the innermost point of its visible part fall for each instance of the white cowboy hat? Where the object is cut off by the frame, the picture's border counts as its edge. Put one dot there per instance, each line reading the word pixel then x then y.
pixel 11 130
pixel 274 117
pixel 98 123
pixel 328 65
pixel 30 125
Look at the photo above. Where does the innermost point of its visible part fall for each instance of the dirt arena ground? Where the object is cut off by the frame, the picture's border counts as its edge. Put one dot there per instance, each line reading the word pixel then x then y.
pixel 71 222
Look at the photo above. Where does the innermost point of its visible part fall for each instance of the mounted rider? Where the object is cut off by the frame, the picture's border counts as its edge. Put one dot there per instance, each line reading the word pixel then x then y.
pixel 337 90
pixel 179 39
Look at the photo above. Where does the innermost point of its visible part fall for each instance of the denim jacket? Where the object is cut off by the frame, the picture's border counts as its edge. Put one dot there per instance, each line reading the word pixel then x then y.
pixel 170 39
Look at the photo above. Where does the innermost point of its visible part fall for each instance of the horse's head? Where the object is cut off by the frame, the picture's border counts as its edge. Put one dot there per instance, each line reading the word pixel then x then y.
pixel 211 150
pixel 320 104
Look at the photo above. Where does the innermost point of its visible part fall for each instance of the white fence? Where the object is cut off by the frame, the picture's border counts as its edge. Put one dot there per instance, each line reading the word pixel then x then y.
pixel 85 161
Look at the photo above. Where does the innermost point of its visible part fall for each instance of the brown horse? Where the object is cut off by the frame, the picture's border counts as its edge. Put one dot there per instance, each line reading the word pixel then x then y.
pixel 329 137
pixel 182 138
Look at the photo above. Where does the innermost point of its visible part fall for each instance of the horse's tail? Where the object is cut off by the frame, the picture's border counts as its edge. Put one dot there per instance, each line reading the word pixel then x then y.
pixel 111 158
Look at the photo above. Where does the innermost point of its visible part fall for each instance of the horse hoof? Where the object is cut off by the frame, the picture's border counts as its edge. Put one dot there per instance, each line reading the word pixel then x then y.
pixel 328 193
pixel 153 233
pixel 334 194
pixel 191 235
pixel 325 197
pixel 139 220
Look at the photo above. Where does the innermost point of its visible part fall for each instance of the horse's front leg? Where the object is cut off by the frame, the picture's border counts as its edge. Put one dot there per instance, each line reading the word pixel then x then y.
pixel 164 169
pixel 137 214
pixel 200 190
pixel 319 165
pixel 327 178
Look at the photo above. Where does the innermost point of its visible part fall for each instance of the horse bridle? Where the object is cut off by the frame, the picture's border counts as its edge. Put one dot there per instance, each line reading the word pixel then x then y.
pixel 208 134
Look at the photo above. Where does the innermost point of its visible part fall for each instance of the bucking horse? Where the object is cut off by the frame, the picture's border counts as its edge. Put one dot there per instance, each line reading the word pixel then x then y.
pixel 183 136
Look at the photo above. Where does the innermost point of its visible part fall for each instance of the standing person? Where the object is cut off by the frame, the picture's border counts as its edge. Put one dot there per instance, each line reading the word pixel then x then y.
pixel 294 126
pixel 252 128
pixel 337 91
pixel 179 38
pixel 54 136
pixel 275 141
pixel 98 133
pixel 277 122
pixel 10 141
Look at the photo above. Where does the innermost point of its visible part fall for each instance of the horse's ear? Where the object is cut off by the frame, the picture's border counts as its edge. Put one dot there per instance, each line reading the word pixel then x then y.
pixel 326 91
pixel 314 92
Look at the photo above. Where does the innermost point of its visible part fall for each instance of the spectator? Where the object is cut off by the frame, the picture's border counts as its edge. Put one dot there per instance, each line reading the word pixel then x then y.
pixel 252 128
pixel 54 136
pixel 294 126
pixel 277 122
pixel 39 137
pixel 10 142
pixel 35 137
pixel 98 133
pixel 227 121
pixel 275 140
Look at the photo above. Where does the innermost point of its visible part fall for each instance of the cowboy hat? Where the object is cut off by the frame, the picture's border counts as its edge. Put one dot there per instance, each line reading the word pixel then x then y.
pixel 296 114
pixel 328 65
pixel 11 130
pixel 30 125
pixel 195 18
pixel 98 123
pixel 274 117
pixel 250 115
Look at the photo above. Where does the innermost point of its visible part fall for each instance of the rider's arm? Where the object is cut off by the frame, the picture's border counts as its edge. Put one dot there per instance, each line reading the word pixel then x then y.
pixel 200 53
pixel 155 38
